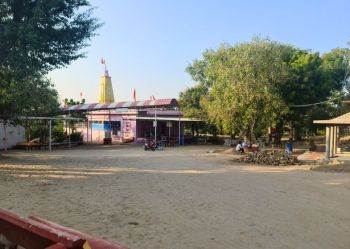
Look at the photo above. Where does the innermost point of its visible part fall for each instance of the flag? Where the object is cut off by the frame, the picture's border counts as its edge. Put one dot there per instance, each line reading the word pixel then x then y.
pixel 103 61
pixel 134 96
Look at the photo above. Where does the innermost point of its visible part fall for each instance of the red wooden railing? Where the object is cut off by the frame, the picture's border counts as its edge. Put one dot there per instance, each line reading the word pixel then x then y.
pixel 36 233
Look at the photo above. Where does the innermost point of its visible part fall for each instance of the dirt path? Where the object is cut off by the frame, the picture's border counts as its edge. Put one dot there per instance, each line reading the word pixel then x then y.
pixel 179 198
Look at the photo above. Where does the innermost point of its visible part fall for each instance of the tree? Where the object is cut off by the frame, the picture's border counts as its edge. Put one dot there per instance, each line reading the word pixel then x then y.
pixel 41 35
pixel 81 115
pixel 32 96
pixel 242 98
pixel 190 101
pixel 37 36
pixel 256 84
pixel 314 79
pixel 71 102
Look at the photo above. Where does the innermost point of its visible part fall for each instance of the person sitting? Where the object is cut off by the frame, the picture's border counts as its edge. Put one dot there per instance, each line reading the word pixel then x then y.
pixel 246 147
pixel 239 147
pixel 255 147
pixel 245 144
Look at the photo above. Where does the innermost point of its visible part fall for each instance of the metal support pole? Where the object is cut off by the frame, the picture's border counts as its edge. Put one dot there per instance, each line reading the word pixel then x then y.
pixel 169 135
pixel 179 131
pixel 155 123
pixel 87 129
pixel 91 127
pixel 327 142
pixel 110 125
pixel 65 131
pixel 50 140
pixel 69 130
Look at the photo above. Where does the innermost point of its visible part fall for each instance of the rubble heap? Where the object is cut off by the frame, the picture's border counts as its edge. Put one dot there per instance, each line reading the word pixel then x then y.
pixel 276 158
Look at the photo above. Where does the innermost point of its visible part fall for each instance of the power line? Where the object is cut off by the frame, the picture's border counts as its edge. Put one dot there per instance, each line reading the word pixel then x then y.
pixel 346 75
pixel 314 104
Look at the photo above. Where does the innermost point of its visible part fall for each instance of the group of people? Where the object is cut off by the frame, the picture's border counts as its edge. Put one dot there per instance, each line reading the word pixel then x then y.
pixel 245 146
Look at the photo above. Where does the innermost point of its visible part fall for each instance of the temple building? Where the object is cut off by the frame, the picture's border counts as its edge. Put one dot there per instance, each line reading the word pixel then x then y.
pixel 130 121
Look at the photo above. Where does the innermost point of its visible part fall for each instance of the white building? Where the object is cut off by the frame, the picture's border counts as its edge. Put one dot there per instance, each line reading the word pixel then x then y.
pixel 14 135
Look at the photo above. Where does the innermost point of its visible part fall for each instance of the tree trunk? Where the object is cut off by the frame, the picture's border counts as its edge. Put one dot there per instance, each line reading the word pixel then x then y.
pixel 5 138
pixel 297 134
pixel 279 132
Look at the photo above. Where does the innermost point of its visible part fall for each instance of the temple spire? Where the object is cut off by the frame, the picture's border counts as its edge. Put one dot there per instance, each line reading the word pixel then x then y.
pixel 106 90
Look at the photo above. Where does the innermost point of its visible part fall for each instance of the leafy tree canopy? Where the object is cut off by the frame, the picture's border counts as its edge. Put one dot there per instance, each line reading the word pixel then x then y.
pixel 42 35
pixel 33 95
pixel 37 36
pixel 251 85
pixel 190 101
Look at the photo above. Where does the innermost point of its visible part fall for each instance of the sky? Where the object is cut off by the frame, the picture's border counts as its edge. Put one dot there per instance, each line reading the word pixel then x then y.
pixel 147 45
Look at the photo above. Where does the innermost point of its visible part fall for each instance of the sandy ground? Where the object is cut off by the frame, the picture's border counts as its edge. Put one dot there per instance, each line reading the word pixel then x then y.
pixel 178 198
pixel 338 167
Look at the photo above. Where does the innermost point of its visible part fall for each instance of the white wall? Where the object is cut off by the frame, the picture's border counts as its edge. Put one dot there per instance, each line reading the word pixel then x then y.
pixel 15 134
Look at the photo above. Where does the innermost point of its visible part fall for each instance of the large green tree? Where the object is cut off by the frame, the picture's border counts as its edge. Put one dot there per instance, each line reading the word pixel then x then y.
pixel 253 85
pixel 33 95
pixel 37 36
pixel 241 79
pixel 191 101
pixel 42 35
pixel 314 79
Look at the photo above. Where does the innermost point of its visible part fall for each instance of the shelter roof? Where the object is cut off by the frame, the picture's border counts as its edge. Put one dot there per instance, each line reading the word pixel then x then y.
pixel 341 120
pixel 181 119
pixel 129 105
pixel 50 118
pixel 151 113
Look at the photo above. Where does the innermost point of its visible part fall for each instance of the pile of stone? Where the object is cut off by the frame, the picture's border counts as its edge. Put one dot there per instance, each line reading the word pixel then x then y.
pixel 275 158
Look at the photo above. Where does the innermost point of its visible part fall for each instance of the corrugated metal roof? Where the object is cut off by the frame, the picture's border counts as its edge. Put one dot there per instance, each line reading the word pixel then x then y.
pixel 177 119
pixel 131 105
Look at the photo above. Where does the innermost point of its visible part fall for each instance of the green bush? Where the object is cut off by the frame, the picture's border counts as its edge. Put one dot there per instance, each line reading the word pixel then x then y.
pixel 76 137
pixel 58 132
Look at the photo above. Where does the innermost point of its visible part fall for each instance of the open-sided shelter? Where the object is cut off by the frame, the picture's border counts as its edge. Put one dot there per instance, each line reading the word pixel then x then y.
pixel 332 132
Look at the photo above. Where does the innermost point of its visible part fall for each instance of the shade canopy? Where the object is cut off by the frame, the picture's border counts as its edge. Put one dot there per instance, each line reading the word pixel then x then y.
pixel 167 103
pixel 341 120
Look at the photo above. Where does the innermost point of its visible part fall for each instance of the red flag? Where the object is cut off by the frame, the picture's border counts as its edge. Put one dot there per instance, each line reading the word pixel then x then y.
pixel 134 94
pixel 103 61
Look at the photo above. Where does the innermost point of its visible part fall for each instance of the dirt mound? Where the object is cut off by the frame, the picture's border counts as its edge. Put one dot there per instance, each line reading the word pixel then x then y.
pixel 275 158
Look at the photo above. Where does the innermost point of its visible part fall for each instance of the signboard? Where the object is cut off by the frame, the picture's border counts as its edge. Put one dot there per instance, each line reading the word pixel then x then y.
pixel 99 126
pixel 169 124
pixel 154 123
